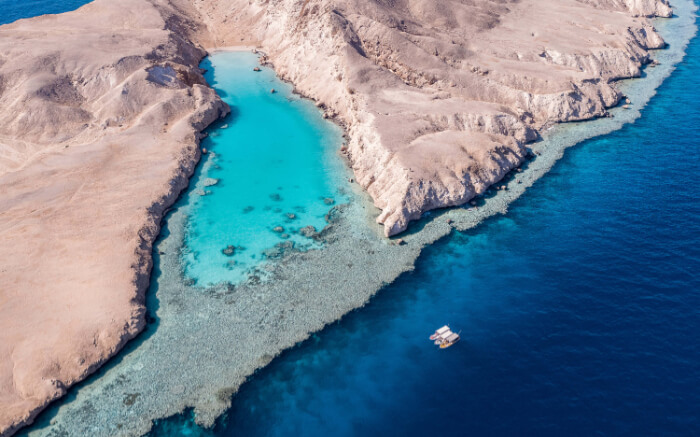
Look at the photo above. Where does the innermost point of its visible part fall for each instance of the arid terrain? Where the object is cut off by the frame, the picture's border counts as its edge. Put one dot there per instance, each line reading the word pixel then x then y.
pixel 439 97
pixel 97 138
pixel 102 109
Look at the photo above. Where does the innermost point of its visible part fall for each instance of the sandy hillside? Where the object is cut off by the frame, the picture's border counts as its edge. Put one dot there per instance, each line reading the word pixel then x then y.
pixel 97 137
pixel 439 96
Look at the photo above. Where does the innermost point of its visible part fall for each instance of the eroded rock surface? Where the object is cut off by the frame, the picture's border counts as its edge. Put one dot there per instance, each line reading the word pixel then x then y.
pixel 439 97
pixel 98 135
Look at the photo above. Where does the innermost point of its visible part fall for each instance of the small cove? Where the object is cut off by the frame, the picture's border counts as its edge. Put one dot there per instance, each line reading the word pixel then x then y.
pixel 271 175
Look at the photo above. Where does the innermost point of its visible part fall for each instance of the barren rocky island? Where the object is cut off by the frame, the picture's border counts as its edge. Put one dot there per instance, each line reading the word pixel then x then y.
pixel 105 110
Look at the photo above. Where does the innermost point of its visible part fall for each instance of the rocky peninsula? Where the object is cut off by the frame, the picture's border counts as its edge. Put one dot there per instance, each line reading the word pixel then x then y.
pixel 104 105
pixel 98 136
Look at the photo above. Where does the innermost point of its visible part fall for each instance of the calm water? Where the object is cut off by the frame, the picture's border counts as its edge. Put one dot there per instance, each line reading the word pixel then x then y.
pixel 275 169
pixel 579 311
pixel 12 10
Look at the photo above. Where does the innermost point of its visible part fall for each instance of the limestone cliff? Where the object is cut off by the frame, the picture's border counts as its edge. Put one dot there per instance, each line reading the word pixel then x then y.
pixel 439 97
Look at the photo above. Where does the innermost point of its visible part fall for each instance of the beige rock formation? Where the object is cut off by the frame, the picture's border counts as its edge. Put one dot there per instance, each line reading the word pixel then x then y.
pixel 101 109
pixel 98 135
pixel 439 97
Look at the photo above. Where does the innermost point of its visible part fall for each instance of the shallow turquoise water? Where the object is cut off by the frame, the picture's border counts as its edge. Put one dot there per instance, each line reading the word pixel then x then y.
pixel 276 171
pixel 274 162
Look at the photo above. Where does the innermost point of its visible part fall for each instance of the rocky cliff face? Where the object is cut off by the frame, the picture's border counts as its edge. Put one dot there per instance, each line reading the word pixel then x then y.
pixel 102 109
pixel 440 97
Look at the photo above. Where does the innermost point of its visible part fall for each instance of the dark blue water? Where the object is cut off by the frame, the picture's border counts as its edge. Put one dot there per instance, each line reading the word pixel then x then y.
pixel 13 10
pixel 579 311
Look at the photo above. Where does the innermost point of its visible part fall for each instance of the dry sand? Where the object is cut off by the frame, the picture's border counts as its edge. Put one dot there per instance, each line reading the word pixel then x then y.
pixel 102 109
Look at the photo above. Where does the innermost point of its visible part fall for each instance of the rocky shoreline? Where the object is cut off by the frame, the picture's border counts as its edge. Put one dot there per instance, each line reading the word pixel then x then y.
pixel 437 115
pixel 244 327
pixel 71 121
pixel 77 253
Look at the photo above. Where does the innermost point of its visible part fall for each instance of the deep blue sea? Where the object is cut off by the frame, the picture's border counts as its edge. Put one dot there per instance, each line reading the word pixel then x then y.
pixel 12 10
pixel 579 311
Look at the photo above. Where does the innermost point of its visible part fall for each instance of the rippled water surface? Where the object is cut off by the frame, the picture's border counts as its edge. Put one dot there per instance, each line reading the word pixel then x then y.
pixel 579 311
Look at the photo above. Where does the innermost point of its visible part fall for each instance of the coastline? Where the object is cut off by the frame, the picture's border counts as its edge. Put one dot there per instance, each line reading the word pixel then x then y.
pixel 98 307
pixel 445 127
pixel 428 230
pixel 161 67
pixel 560 137
pixel 143 267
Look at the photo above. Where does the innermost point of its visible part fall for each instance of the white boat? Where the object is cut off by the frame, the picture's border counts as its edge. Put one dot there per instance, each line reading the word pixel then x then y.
pixel 449 341
pixel 444 337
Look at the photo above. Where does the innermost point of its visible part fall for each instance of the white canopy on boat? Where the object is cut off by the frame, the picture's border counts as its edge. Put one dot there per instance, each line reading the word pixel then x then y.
pixel 452 338
pixel 446 334
pixel 443 329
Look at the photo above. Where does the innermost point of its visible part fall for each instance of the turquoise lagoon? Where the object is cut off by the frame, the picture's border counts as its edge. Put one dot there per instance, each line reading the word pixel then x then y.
pixel 272 170
pixel 273 156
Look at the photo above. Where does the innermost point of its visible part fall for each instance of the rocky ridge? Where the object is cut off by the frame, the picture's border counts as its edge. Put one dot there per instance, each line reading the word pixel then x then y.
pixel 98 136
pixel 440 97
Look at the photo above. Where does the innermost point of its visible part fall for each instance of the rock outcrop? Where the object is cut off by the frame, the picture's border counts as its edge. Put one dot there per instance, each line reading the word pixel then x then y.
pixel 439 97
pixel 102 109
